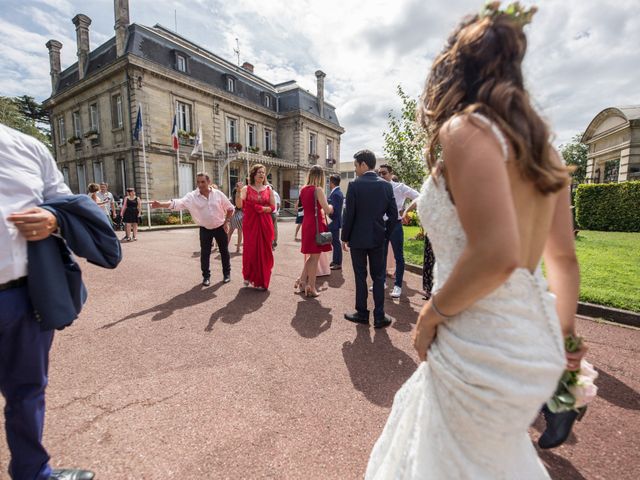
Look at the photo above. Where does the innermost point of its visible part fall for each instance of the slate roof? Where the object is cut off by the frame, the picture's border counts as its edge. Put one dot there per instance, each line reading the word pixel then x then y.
pixel 160 45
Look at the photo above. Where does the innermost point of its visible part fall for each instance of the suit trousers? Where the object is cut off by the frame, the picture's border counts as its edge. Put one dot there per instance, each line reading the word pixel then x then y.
pixel 206 242
pixel 24 364
pixel 337 247
pixel 359 257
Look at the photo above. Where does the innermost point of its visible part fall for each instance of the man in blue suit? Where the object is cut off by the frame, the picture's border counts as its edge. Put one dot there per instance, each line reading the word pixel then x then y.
pixel 365 233
pixel 336 199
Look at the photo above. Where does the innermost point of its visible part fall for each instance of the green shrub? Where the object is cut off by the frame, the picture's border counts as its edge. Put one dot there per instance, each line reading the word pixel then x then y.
pixel 609 206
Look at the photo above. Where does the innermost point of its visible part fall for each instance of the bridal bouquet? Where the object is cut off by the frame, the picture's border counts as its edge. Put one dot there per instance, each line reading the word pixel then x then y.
pixel 575 389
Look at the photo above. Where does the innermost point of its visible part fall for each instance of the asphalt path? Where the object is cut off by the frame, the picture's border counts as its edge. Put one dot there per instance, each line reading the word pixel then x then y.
pixel 163 378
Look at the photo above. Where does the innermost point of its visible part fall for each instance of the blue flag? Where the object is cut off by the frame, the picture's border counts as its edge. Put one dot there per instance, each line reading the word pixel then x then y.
pixel 136 129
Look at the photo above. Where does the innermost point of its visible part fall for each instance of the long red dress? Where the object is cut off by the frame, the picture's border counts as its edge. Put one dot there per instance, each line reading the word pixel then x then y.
pixel 257 256
pixel 308 244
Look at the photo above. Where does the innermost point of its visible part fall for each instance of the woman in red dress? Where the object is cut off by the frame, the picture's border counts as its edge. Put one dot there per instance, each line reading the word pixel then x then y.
pixel 257 204
pixel 313 189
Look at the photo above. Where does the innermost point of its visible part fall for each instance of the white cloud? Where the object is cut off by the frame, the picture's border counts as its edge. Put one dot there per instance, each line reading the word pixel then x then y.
pixel 582 55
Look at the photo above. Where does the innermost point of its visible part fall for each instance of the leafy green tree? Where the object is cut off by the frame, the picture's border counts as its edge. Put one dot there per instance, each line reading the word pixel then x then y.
pixel 15 114
pixel 404 143
pixel 575 153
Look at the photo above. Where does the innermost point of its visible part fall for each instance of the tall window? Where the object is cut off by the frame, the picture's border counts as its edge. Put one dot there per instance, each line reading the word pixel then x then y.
pixel 268 145
pixel 65 175
pixel 62 136
pixel 77 128
pixel 234 174
pixel 232 130
pixel 98 172
pixel 329 149
pixel 93 117
pixel 251 135
pixel 116 111
pixel 82 179
pixel 181 63
pixel 231 84
pixel 313 143
pixel 184 116
pixel 123 175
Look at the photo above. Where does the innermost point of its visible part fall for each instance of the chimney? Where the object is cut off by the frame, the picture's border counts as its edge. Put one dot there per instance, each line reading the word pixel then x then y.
pixel 121 14
pixel 248 67
pixel 82 23
pixel 54 47
pixel 320 97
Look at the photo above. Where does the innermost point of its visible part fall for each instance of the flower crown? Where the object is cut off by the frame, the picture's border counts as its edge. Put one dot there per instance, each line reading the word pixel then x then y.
pixel 518 14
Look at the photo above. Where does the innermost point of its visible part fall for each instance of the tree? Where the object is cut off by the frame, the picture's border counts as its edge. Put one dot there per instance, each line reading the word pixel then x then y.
pixel 404 143
pixel 575 153
pixel 15 113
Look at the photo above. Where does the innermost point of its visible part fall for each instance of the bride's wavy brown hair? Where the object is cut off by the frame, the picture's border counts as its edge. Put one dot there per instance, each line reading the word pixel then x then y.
pixel 480 70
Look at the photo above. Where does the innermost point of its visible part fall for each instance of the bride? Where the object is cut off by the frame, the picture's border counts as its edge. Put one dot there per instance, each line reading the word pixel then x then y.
pixel 492 333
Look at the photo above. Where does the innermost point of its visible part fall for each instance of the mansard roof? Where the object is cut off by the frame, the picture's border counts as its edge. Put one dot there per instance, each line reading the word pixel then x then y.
pixel 160 45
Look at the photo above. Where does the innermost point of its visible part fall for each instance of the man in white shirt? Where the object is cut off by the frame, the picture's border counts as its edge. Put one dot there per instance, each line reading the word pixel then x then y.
pixel 109 205
pixel 212 211
pixel 28 177
pixel 401 193
pixel 274 217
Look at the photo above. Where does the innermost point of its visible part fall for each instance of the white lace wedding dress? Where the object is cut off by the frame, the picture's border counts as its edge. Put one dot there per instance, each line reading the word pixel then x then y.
pixel 465 412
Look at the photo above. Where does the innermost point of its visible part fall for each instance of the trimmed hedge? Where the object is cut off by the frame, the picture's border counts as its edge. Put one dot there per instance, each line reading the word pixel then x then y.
pixel 609 206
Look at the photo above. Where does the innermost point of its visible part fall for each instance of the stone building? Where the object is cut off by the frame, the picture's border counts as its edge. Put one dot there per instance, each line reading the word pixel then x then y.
pixel 244 119
pixel 613 138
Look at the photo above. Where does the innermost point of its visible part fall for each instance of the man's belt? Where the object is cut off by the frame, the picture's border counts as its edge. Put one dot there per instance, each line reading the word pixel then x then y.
pixel 19 282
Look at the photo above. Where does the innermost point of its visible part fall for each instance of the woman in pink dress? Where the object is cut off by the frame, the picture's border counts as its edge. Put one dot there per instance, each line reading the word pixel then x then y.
pixel 312 198
pixel 257 204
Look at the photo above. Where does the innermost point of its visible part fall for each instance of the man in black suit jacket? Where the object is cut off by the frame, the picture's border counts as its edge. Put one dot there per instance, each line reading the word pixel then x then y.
pixel 336 199
pixel 366 233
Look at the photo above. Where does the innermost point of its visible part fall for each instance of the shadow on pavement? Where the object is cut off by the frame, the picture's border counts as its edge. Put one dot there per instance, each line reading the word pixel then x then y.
pixel 376 367
pixel 197 294
pixel 311 318
pixel 559 467
pixel 616 392
pixel 248 300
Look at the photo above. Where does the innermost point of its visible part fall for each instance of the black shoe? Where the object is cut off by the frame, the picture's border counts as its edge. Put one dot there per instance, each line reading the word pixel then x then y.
pixel 226 279
pixel 206 282
pixel 335 267
pixel 558 427
pixel 356 318
pixel 382 322
pixel 71 474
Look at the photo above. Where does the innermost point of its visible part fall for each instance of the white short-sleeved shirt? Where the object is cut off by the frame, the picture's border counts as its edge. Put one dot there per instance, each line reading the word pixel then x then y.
pixel 401 193
pixel 208 212
pixel 28 177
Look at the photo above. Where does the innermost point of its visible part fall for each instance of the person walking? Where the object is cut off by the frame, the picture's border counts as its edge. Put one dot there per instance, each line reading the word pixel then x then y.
pixel 130 213
pixel 401 193
pixel 108 202
pixel 28 177
pixel 212 211
pixel 236 219
pixel 336 200
pixel 496 203
pixel 365 233
pixel 314 202
pixel 258 203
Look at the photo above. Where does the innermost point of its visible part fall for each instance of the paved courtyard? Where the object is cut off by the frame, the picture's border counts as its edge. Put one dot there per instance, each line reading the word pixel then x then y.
pixel 162 378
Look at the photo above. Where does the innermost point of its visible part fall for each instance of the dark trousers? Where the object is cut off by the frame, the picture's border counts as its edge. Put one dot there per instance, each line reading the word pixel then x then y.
pixel 337 247
pixel 396 239
pixel 24 363
pixel 376 259
pixel 206 242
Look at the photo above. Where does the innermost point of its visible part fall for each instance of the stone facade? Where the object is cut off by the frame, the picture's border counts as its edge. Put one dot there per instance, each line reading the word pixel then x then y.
pixel 613 138
pixel 244 119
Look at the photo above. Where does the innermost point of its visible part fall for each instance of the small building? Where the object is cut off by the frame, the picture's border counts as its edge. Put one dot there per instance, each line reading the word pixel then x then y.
pixel 244 119
pixel 613 138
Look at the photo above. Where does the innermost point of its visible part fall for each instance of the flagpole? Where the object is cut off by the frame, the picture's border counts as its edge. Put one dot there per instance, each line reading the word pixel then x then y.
pixel 177 161
pixel 144 159
pixel 202 148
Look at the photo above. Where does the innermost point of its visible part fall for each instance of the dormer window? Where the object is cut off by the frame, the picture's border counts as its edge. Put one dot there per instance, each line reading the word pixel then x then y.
pixel 231 84
pixel 267 101
pixel 181 63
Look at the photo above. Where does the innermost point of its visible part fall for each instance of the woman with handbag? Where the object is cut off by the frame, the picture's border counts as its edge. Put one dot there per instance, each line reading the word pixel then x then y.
pixel 315 236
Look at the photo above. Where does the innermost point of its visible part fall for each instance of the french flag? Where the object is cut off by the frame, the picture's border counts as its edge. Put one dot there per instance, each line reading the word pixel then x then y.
pixel 174 134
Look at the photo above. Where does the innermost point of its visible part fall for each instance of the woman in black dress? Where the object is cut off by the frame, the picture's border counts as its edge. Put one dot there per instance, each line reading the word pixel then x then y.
pixel 131 210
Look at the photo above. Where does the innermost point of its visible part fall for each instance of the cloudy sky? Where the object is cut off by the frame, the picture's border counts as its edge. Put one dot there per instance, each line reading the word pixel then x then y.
pixel 583 56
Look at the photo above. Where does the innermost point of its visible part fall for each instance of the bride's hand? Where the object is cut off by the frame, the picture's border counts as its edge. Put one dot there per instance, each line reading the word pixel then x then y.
pixel 425 331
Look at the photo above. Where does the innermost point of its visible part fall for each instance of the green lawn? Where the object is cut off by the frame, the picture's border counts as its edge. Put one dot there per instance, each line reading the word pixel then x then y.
pixel 609 266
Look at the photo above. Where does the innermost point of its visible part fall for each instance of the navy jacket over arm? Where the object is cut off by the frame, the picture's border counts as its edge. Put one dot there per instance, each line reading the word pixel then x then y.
pixel 336 199
pixel 55 280
pixel 369 198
